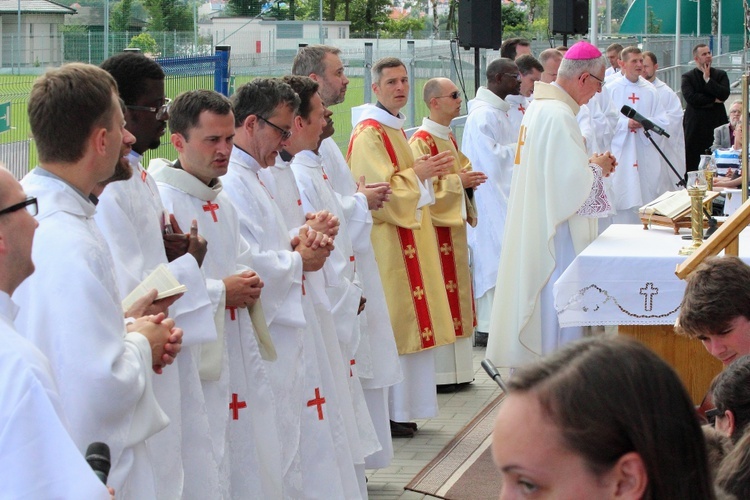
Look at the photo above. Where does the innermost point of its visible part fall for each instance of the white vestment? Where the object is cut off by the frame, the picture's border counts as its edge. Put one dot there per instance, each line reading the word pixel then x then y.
pixel 489 141
pixel 640 176
pixel 555 198
pixel 674 146
pixel 241 407
pixel 129 214
pixel 38 458
pixel 518 106
pixel 70 309
pixel 316 451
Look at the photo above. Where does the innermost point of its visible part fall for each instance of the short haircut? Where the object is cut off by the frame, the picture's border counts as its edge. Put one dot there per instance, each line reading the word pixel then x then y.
pixel 509 47
pixel 499 65
pixel 305 88
pixel 186 109
pixel 387 62
pixel 573 68
pixel 650 55
pixel 562 48
pixel 731 391
pixel 527 63
pixel 131 70
pixel 716 294
pixel 625 54
pixel 431 89
pixel 309 59
pixel 697 47
pixel 548 54
pixel 737 102
pixel 261 97
pixel 609 396
pixel 614 47
pixel 65 105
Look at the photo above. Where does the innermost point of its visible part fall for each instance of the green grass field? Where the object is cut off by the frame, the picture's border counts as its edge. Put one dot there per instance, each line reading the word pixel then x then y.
pixel 15 89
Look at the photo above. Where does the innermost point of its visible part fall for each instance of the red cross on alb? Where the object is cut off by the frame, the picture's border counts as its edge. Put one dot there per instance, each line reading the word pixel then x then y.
pixel 634 98
pixel 236 405
pixel 232 312
pixel 143 175
pixel 211 207
pixel 319 402
pixel 522 109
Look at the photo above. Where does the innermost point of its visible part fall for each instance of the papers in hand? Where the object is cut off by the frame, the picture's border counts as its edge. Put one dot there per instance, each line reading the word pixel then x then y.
pixel 162 280
pixel 672 203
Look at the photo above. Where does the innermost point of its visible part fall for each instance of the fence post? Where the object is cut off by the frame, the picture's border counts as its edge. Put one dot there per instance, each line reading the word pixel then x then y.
pixel 221 73
pixel 454 50
pixel 412 65
pixel 368 75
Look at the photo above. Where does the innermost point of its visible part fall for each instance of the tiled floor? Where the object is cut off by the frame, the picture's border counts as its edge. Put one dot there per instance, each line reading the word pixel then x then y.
pixel 412 454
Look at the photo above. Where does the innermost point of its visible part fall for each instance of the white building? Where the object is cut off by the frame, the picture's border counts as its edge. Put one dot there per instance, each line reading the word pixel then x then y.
pixel 40 41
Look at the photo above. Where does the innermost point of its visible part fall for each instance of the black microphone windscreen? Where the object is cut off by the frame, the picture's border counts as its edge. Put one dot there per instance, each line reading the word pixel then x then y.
pixel 627 111
pixel 97 456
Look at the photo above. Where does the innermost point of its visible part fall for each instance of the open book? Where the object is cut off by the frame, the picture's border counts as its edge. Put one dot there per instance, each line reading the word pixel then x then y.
pixel 162 279
pixel 672 204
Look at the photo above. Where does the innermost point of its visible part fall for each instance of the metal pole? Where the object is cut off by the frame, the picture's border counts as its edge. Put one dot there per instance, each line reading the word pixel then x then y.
pixel 698 18
pixel 594 22
pixel 677 30
pixel 195 26
pixel 609 17
pixel 18 34
pixel 320 21
pixel 106 29
pixel 720 45
pixel 368 75
pixel 411 50
pixel 745 135
pixel 645 17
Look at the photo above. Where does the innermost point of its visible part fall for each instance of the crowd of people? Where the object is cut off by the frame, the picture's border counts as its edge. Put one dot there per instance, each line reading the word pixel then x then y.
pixel 327 295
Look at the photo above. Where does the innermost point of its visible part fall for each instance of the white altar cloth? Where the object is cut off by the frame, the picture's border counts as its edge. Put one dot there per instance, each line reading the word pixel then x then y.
pixel 626 277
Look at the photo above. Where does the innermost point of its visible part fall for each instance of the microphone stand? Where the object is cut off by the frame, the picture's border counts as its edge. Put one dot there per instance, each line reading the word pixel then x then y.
pixel 681 182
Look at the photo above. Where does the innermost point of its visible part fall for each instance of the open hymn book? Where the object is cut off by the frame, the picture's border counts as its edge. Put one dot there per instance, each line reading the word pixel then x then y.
pixel 672 204
pixel 162 280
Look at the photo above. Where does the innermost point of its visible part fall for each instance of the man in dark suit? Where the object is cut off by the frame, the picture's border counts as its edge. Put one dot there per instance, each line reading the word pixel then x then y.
pixel 705 89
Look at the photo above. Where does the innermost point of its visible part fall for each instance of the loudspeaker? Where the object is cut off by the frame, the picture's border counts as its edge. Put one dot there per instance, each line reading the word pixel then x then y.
pixel 569 17
pixel 479 24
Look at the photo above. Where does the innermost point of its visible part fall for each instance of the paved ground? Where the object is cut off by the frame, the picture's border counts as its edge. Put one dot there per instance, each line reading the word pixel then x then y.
pixel 412 454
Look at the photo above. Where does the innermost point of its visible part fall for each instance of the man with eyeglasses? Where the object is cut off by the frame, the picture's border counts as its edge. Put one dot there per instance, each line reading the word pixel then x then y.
pixel 71 307
pixel 453 209
pixel 642 177
pixel 54 467
pixel 489 141
pixel 131 216
pixel 556 196
pixel 241 407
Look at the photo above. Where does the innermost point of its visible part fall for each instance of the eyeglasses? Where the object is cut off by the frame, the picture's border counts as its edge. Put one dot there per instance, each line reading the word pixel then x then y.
pixel 517 76
pixel 452 95
pixel 711 416
pixel 29 204
pixel 285 134
pixel 601 82
pixel 162 112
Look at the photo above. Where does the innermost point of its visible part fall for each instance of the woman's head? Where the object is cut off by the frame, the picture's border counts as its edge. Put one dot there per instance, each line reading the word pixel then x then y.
pixel 605 416
pixel 731 395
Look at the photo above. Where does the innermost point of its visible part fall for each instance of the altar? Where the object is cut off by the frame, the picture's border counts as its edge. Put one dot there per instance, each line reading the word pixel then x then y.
pixel 626 277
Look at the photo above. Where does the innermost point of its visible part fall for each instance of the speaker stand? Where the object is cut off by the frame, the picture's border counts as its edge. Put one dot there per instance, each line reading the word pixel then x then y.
pixel 476 70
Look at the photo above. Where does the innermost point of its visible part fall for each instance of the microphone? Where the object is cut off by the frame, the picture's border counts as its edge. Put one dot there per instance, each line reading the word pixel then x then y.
pixel 97 455
pixel 647 124
pixel 494 374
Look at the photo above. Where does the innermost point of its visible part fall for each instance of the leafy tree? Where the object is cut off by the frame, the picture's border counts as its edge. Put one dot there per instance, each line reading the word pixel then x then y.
pixel 537 9
pixel 513 19
pixel 244 8
pixel 169 15
pixel 145 42
pixel 120 16
pixel 402 27
pixel 368 16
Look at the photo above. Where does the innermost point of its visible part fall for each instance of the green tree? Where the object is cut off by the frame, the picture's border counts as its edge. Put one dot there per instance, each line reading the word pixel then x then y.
pixel 244 8
pixel 368 16
pixel 402 27
pixel 145 42
pixel 513 18
pixel 120 17
pixel 169 15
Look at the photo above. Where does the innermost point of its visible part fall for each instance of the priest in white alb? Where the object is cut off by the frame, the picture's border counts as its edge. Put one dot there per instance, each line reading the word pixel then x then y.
pixel 557 194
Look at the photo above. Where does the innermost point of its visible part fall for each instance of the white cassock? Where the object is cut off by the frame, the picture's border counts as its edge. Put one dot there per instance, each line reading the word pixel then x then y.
pixel 555 200
pixel 240 403
pixel 316 449
pixel 518 106
pixel 384 370
pixel 489 141
pixel 640 176
pixel 70 309
pixel 674 146
pixel 129 214
pixel 37 456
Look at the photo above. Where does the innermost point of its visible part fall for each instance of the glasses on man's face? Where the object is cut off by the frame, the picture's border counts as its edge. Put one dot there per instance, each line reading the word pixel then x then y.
pixel 452 95
pixel 711 416
pixel 517 76
pixel 162 112
pixel 29 204
pixel 601 82
pixel 285 134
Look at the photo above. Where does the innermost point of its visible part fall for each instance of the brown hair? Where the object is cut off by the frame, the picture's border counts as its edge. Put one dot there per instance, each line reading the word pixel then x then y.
pixel 305 88
pixel 185 111
pixel 66 104
pixel 386 62
pixel 717 293
pixel 309 59
pixel 612 396
pixel 733 475
pixel 731 391
pixel 624 55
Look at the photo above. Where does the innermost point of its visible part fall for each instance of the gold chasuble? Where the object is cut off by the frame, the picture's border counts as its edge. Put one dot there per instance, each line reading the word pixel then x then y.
pixel 403 236
pixel 451 211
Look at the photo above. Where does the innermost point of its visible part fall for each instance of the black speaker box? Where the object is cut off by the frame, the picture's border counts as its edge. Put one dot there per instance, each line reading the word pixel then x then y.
pixel 479 24
pixel 569 17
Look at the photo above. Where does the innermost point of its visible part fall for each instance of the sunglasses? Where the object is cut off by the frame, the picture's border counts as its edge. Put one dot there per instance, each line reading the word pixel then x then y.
pixel 162 112
pixel 452 95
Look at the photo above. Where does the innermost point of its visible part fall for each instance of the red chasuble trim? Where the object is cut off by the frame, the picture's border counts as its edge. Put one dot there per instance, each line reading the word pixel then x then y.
pixel 447 257
pixel 408 248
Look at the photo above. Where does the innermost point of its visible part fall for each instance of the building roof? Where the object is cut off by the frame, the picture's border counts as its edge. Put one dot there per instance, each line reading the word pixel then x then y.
pixel 34 7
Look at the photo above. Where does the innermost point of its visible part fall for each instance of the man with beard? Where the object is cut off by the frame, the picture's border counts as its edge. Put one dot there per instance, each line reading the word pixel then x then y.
pixel 729 135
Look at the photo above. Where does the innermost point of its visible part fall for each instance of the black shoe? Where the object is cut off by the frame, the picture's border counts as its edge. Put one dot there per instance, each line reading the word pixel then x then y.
pixel 408 425
pixel 399 431
pixel 480 339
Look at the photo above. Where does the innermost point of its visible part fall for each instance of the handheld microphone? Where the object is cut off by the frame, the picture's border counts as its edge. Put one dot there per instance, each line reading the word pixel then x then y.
pixel 647 124
pixel 97 455
pixel 494 374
